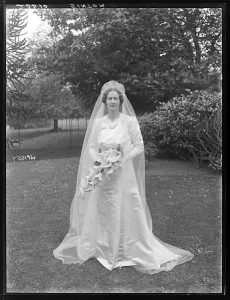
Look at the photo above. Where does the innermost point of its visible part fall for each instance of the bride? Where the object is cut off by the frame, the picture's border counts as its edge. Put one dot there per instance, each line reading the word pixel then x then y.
pixel 111 220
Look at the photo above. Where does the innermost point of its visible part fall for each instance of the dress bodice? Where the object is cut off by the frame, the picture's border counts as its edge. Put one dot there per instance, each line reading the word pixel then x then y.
pixel 116 135
pixel 126 133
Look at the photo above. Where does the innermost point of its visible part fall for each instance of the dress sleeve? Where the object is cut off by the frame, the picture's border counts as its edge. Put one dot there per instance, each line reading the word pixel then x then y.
pixel 93 145
pixel 136 138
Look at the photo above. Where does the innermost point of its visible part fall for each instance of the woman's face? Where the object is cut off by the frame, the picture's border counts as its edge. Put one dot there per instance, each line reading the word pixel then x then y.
pixel 113 101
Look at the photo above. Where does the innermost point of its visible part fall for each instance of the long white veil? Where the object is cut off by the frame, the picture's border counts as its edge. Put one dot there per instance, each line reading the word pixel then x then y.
pixel 80 202
pixel 96 225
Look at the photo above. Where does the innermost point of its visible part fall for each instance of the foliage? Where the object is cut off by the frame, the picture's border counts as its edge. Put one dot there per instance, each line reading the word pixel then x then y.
pixel 148 132
pixel 156 52
pixel 188 126
pixel 17 123
pixel 30 123
pixel 16 64
pixel 49 98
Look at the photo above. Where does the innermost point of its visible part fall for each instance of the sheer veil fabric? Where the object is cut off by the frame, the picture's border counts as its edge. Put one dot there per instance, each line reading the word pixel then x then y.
pixel 112 222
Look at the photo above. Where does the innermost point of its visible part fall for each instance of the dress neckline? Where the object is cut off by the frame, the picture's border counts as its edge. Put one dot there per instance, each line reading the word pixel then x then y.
pixel 115 121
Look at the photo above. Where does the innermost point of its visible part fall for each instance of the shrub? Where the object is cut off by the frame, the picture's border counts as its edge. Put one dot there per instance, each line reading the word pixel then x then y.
pixel 17 124
pixel 30 123
pixel 188 126
pixel 148 132
pixel 38 123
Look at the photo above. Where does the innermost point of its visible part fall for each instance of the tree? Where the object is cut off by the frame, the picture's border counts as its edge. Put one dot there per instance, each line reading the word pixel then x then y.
pixel 49 98
pixel 156 52
pixel 16 64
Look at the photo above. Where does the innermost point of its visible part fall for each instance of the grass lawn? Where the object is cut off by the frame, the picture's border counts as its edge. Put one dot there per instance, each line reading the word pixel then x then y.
pixel 185 204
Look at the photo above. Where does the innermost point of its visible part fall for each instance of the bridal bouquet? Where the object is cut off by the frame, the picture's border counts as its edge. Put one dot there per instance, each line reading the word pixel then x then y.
pixel 106 163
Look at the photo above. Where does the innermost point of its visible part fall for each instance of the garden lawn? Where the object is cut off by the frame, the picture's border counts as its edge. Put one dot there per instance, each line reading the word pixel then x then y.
pixel 43 144
pixel 185 204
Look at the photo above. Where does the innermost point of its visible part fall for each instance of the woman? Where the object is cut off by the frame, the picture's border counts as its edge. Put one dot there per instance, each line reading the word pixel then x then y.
pixel 111 220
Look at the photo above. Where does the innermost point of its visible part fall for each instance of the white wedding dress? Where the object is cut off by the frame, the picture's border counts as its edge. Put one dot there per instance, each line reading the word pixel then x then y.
pixel 114 226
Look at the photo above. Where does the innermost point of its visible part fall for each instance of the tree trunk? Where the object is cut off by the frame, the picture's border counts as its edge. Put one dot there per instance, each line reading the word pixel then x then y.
pixel 55 129
pixel 19 134
pixel 70 131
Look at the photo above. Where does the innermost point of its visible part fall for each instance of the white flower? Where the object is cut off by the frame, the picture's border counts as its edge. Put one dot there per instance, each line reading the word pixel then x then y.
pixel 113 155
pixel 106 163
pixel 99 176
pixel 110 170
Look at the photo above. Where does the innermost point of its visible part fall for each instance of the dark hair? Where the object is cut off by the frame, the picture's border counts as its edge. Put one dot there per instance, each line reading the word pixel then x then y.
pixel 104 97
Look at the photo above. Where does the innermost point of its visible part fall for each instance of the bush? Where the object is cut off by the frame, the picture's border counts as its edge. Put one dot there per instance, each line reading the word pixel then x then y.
pixel 38 123
pixel 188 126
pixel 17 124
pixel 29 124
pixel 148 132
